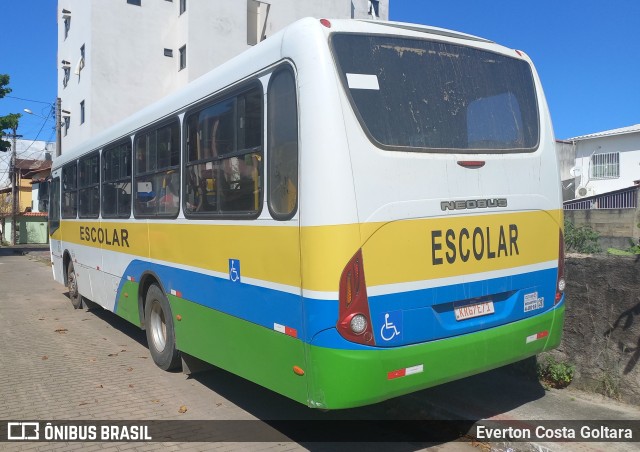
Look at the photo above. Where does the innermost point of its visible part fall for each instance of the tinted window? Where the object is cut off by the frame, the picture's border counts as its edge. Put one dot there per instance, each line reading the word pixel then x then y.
pixel 89 188
pixel 413 94
pixel 116 181
pixel 69 191
pixel 283 145
pixel 224 157
pixel 54 204
pixel 157 181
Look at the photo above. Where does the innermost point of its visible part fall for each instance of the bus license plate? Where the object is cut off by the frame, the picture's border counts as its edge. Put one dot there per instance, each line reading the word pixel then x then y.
pixel 474 310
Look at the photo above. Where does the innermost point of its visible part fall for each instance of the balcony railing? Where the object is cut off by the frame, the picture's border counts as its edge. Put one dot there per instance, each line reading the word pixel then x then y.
pixel 627 198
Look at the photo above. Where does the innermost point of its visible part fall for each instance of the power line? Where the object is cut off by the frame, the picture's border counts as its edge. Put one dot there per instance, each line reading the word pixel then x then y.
pixel 29 100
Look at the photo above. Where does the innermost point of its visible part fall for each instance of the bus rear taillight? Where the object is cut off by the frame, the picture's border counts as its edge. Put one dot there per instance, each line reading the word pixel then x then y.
pixel 354 319
pixel 560 283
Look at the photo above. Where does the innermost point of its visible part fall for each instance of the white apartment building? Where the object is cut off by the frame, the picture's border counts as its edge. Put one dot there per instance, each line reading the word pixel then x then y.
pixel 117 56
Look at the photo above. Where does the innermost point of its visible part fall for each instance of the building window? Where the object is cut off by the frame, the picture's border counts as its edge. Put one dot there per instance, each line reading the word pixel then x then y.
pixel 66 75
pixel 183 6
pixel 224 157
pixel 80 64
pixel 183 57
pixel 67 122
pixel 82 112
pixel 168 53
pixel 66 18
pixel 605 166
pixel 134 2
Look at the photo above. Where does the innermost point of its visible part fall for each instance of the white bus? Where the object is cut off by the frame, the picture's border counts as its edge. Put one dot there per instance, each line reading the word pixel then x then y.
pixel 348 211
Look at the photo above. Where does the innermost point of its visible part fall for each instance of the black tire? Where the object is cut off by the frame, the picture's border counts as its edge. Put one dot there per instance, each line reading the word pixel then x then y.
pixel 72 284
pixel 161 336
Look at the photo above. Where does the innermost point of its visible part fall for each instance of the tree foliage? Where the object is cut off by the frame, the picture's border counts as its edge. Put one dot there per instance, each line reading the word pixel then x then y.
pixel 10 121
pixel 4 89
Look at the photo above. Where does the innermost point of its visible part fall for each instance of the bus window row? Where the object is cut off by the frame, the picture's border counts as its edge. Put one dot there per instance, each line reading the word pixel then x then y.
pixel 222 163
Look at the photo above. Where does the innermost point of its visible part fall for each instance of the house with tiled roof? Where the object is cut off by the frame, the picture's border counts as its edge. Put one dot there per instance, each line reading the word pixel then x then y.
pixel 32 197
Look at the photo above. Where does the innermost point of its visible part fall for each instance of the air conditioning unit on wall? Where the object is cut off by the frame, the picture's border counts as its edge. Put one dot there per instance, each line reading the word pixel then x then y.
pixel 584 191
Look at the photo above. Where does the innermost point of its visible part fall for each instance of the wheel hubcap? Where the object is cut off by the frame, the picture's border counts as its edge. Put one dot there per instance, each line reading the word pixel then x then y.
pixel 73 285
pixel 158 327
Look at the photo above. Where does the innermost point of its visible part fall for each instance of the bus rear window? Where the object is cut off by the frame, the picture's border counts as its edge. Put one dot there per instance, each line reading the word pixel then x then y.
pixel 419 95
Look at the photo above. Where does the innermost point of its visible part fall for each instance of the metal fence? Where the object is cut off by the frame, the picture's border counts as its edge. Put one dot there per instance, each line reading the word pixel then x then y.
pixel 626 198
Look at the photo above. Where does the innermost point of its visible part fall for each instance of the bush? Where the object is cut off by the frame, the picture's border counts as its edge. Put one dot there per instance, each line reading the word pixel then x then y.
pixel 581 239
pixel 555 374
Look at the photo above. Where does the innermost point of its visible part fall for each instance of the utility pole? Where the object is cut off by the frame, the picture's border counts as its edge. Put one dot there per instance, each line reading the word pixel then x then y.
pixel 58 127
pixel 14 189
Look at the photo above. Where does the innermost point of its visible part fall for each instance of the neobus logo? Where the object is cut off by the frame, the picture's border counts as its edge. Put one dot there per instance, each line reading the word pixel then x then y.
pixel 473 204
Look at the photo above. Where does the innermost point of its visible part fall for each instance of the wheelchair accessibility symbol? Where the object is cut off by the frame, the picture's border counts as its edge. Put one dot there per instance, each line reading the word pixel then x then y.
pixel 234 270
pixel 391 327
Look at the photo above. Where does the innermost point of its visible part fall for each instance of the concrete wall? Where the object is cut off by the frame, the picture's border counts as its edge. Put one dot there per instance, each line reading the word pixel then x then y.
pixel 31 230
pixel 602 325
pixel 617 227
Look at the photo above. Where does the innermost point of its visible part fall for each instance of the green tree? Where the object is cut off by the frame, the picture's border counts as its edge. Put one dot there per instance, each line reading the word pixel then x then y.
pixel 9 122
pixel 4 89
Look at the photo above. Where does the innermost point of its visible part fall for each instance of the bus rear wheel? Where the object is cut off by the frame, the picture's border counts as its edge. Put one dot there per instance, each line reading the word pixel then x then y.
pixel 72 284
pixel 159 327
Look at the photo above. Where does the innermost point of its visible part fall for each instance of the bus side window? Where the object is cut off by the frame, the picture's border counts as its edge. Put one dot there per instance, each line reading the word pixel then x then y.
pixel 157 173
pixel 224 157
pixel 70 191
pixel 116 181
pixel 282 127
pixel 54 205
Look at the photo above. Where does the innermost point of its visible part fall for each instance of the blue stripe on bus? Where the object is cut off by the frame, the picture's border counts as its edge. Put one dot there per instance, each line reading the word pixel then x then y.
pixel 419 315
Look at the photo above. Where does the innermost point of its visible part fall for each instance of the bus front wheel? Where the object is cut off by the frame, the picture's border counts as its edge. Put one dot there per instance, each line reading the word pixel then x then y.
pixel 159 327
pixel 72 284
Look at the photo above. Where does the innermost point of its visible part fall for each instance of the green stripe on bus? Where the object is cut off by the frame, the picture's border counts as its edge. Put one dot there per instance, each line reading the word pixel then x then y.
pixel 128 303
pixel 349 378
pixel 339 378
pixel 254 352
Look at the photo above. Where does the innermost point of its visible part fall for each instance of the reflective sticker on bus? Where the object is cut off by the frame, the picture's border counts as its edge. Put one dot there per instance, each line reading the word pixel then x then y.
pixel 535 337
pixel 285 330
pixel 405 372
pixel 176 293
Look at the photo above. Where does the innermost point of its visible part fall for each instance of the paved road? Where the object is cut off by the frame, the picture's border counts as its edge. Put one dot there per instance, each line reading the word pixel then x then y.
pixel 60 364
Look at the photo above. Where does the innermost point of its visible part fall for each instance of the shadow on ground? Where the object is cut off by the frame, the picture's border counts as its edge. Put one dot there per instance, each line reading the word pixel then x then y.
pixel 411 422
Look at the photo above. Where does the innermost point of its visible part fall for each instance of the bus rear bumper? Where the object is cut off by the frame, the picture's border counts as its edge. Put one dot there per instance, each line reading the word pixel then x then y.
pixel 344 378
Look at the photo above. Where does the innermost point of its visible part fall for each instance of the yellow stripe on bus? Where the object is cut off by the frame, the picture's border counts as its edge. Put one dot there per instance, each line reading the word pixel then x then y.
pixel 393 252
pixel 416 250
